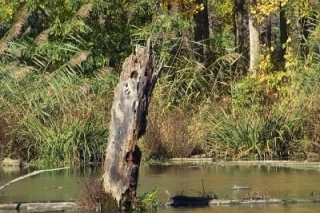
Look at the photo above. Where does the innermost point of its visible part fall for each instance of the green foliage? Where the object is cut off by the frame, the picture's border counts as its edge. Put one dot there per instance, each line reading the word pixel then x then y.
pixel 59 118
pixel 184 80
pixel 263 91
pixel 88 25
pixel 150 199
pixel 223 10
pixel 56 86
pixel 80 141
pixel 257 133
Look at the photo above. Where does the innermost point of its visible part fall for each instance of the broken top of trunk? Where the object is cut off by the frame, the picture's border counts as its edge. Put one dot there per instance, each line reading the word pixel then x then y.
pixel 128 122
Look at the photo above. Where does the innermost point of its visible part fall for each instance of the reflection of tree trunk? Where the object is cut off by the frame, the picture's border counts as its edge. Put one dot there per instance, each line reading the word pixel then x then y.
pixel 239 15
pixel 202 33
pixel 128 123
pixel 283 34
pixel 254 38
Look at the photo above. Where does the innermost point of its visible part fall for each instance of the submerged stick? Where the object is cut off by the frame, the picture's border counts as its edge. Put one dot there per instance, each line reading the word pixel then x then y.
pixel 31 174
pixel 204 192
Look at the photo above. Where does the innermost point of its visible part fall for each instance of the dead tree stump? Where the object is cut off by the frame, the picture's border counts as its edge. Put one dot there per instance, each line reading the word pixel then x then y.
pixel 128 122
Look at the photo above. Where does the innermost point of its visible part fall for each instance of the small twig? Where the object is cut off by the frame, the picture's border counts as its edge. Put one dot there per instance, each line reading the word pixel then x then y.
pixel 196 191
pixel 204 192
pixel 31 174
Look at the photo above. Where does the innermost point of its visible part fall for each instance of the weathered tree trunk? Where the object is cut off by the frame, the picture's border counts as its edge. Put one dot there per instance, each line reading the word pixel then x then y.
pixel 128 122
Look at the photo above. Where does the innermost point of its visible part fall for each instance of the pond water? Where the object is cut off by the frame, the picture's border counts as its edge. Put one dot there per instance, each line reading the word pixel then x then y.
pixel 186 179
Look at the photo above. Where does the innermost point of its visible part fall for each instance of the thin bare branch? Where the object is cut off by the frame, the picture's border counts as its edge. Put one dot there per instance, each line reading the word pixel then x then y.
pixel 31 174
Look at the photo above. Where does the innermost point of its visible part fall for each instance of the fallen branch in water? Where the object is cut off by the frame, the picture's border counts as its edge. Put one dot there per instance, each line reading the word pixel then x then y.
pixel 31 174
pixel 38 207
pixel 185 201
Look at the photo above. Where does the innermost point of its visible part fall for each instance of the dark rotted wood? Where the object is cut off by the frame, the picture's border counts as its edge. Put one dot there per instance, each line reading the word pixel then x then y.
pixel 128 122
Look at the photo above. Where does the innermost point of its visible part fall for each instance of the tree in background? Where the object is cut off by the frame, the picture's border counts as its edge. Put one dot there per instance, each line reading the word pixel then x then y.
pixel 202 33
pixel 239 25
pixel 283 33
pixel 253 37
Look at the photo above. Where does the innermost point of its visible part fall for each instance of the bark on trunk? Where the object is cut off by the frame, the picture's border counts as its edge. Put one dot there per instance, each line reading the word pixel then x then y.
pixel 254 39
pixel 239 16
pixel 202 34
pixel 269 31
pixel 283 35
pixel 128 122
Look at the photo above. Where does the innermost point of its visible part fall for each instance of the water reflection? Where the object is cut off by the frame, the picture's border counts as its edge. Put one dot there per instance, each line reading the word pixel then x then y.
pixel 278 182
pixel 186 179
pixel 47 186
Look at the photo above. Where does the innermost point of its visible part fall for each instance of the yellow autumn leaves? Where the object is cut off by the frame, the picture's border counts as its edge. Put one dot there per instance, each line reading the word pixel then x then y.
pixel 186 7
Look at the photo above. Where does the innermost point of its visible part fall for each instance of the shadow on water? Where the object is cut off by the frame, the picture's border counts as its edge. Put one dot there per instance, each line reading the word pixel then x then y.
pixel 185 201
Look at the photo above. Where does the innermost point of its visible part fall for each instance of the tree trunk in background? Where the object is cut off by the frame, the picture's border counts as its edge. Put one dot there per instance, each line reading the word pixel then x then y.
pixel 239 16
pixel 283 35
pixel 202 34
pixel 128 122
pixel 269 31
pixel 253 38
